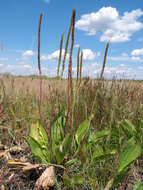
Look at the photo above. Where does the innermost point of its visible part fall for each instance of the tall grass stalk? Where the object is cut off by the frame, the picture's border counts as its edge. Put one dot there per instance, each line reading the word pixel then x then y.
pixel 66 48
pixel 39 67
pixel 40 72
pixel 104 61
pixel 77 75
pixel 80 72
pixel 60 55
pixel 70 71
pixel 70 87
pixel 101 76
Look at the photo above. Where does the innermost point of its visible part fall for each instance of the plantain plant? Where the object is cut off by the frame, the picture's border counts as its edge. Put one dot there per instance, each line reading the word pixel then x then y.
pixel 57 145
pixel 40 146
pixel 82 147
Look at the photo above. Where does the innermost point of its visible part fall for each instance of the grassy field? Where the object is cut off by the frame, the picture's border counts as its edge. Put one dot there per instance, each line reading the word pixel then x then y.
pixel 117 100
pixel 111 105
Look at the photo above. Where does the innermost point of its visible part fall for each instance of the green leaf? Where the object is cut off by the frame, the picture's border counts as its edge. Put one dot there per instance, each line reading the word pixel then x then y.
pixel 131 152
pixel 98 152
pixel 95 137
pixel 36 150
pixel 77 179
pixel 128 128
pixel 66 144
pixel 57 138
pixel 120 176
pixel 111 151
pixel 73 181
pixel 82 130
pixel 57 130
pixel 59 155
pixel 71 162
pixel 138 186
pixel 61 150
pixel 38 133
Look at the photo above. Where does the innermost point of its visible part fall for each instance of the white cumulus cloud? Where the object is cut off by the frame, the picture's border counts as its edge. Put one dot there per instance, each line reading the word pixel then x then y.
pixel 114 28
pixel 88 54
pixel 126 57
pixel 137 52
pixel 136 59
pixel 27 54
pixel 53 56
pixel 27 66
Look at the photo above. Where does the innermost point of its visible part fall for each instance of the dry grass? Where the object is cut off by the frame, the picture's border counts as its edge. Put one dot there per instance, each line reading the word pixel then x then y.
pixel 116 100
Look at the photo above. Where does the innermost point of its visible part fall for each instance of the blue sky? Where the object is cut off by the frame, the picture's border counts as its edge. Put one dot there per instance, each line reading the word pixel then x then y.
pixel 97 21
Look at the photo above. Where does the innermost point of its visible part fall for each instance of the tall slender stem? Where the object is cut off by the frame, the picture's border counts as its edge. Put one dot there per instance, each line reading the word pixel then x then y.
pixel 60 55
pixel 39 67
pixel 104 62
pixel 70 86
pixel 69 90
pixel 40 72
pixel 77 74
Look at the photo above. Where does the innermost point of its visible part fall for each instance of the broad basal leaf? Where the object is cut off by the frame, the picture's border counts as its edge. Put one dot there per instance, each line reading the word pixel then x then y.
pixel 96 136
pixel 57 137
pixel 62 149
pixel 66 144
pixel 36 149
pixel 128 128
pixel 98 152
pixel 57 130
pixel 38 133
pixel 83 129
pixel 131 152
pixel 59 155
